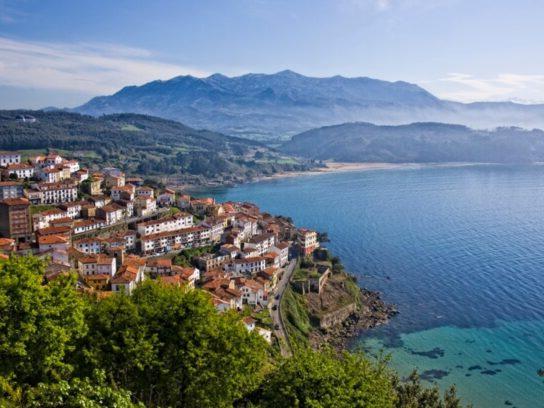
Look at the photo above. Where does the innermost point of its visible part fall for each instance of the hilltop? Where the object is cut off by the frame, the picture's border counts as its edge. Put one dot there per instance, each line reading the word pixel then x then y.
pixel 278 106
pixel 418 143
pixel 143 145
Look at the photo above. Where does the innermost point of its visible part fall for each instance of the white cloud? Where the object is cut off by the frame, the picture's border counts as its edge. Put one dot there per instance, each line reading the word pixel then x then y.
pixel 501 87
pixel 83 67
pixel 383 5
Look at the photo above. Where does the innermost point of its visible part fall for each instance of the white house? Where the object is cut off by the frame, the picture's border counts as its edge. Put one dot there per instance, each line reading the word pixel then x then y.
pixel 111 213
pixel 246 266
pixel 282 249
pixel 253 292
pixel 129 275
pixel 55 193
pixel 99 264
pixel 262 243
pixel 72 210
pixel 176 222
pixel 7 158
pixel 53 242
pixel 88 245
pixel 21 170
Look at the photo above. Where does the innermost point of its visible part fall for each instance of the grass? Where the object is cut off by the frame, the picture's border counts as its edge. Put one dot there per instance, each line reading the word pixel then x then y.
pixel 27 154
pixel 295 317
pixel 130 128
pixel 300 274
pixel 263 317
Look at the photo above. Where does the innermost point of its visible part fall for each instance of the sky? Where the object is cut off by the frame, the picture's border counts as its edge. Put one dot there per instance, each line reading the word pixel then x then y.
pixel 63 52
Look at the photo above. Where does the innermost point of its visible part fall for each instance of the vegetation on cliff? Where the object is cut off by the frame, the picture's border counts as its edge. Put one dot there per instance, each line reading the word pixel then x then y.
pixel 166 346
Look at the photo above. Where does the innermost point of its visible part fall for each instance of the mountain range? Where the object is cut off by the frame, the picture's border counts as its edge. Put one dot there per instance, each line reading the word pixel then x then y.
pixel 418 143
pixel 278 106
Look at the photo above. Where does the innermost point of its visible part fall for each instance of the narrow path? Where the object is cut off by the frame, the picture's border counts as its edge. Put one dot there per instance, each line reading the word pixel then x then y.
pixel 279 327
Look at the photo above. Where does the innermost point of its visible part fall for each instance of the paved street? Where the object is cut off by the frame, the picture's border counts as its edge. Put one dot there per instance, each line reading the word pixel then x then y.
pixel 276 314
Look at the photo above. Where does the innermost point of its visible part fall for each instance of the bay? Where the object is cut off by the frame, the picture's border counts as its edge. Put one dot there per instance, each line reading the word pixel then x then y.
pixel 459 250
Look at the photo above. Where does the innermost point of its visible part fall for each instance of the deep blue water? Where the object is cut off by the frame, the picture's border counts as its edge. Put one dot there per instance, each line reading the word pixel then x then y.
pixel 460 250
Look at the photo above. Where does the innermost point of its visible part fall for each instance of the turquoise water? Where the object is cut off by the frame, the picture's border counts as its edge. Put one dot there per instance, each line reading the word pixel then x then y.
pixel 460 250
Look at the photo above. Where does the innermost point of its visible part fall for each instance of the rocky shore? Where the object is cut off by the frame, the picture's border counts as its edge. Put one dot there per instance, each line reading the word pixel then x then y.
pixel 372 312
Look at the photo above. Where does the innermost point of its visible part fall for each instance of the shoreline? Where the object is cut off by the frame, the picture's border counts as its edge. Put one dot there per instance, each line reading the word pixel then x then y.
pixel 344 167
pixel 370 314
pixel 330 167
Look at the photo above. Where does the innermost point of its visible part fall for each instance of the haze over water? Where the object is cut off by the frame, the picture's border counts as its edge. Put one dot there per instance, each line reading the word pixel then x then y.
pixel 460 250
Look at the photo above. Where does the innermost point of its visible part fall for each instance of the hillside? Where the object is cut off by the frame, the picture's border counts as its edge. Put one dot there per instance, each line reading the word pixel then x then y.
pixel 142 145
pixel 418 143
pixel 277 106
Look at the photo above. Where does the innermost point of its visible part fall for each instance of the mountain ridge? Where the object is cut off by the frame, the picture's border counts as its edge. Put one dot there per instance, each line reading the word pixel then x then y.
pixel 422 142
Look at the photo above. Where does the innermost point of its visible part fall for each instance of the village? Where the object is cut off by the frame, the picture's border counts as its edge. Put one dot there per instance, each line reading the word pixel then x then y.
pixel 115 231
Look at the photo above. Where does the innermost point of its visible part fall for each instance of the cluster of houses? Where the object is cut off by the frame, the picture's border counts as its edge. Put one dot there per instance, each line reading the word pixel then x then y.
pixel 115 232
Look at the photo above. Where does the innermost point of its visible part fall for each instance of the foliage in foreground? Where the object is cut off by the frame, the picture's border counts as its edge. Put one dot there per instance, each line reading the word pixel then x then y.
pixel 166 347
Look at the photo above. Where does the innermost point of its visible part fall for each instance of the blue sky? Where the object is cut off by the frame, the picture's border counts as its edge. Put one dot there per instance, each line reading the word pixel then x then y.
pixel 61 53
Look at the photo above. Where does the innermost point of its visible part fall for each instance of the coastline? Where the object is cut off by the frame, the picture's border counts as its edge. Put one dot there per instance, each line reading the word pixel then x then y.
pixel 344 167
pixel 330 167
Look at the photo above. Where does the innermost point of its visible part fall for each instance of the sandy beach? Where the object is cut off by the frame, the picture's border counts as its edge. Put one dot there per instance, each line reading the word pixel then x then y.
pixel 337 167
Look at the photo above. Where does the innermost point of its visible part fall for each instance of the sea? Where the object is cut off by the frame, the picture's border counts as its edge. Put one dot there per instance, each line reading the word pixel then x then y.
pixel 459 250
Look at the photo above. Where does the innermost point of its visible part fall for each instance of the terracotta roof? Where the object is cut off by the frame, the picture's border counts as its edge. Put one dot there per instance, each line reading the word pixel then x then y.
pixel 62 220
pixel 282 245
pixel 15 201
pixel 186 273
pixel 56 186
pixel 19 166
pixel 249 320
pixel 172 279
pixel 126 274
pixel 6 241
pixel 271 255
pixel 52 239
pixel 99 259
pixel 60 230
pixel 52 211
pixel 98 276
pixel 87 241
pixel 162 262
pixel 111 207
pixel 87 222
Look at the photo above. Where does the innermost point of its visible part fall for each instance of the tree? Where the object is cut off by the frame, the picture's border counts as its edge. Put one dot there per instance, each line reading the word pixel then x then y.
pixel 39 324
pixel 170 347
pixel 79 393
pixel 324 379
pixel 118 342
pixel 411 394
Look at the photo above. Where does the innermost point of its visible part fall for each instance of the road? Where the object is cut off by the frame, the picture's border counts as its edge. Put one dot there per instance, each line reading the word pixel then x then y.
pixel 281 333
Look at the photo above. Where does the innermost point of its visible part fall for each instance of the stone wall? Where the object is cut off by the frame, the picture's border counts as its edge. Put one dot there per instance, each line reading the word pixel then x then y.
pixel 337 317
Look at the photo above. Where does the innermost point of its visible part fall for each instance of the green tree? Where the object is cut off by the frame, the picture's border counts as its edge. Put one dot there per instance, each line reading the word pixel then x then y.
pixel 321 379
pixel 170 347
pixel 412 394
pixel 118 342
pixel 39 324
pixel 79 393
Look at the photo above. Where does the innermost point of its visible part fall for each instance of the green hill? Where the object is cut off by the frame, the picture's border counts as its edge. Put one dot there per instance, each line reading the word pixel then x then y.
pixel 143 145
pixel 418 143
